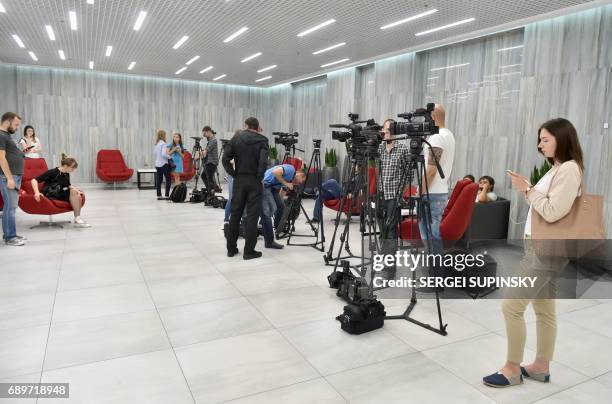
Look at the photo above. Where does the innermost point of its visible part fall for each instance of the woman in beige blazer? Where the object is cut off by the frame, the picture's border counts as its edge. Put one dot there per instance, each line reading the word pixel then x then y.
pixel 551 198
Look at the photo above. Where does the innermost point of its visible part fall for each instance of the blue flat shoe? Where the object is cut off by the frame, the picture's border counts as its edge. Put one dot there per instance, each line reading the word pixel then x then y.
pixel 499 380
pixel 541 377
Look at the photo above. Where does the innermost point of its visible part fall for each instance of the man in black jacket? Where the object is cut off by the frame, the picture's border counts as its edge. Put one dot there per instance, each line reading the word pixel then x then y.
pixel 249 150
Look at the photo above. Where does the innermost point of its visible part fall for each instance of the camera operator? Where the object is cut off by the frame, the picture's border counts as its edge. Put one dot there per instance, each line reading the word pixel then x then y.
pixel 275 179
pixel 249 150
pixel 394 158
pixel 443 149
pixel 210 158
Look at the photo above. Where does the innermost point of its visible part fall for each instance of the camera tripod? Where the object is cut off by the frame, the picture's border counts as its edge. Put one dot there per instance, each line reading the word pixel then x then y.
pixel 288 220
pixel 197 162
pixel 416 167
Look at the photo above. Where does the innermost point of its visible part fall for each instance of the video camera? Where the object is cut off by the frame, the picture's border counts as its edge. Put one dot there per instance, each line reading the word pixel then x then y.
pixel 361 137
pixel 285 139
pixel 419 125
pixel 197 140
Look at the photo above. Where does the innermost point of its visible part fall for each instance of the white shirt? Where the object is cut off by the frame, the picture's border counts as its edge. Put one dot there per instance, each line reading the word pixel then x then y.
pixel 161 158
pixel 491 197
pixel 36 144
pixel 446 141
pixel 542 186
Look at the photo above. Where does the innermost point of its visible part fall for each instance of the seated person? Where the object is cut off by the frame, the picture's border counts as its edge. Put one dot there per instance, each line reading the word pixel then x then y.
pixel 469 177
pixel 57 186
pixel 486 185
pixel 330 189
pixel 275 178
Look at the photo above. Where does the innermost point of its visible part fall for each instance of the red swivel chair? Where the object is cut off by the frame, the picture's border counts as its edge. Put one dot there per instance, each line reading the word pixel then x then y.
pixel 32 169
pixel 111 167
pixel 296 162
pixel 456 217
pixel 189 170
pixel 334 204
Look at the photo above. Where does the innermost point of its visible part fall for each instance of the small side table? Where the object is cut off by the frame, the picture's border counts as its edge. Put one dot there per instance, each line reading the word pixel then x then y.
pixel 142 171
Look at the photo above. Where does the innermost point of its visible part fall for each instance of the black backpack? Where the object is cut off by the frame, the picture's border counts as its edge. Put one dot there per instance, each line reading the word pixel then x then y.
pixel 179 193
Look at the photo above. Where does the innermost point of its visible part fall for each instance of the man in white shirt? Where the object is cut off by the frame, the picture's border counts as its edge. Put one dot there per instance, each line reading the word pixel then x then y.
pixel 443 148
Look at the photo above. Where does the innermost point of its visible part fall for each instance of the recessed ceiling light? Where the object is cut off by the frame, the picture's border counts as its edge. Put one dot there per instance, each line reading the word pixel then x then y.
pixel 50 32
pixel 454 24
pixel 220 77
pixel 61 54
pixel 141 17
pixel 181 70
pixel 33 56
pixel 405 20
pixel 18 40
pixel 206 69
pixel 91 64
pixel 329 48
pixel 180 42
pixel 263 78
pixel 510 48
pixel 253 56
pixel 235 34
pixel 131 66
pixel 2 9
pixel 73 20
pixel 323 24
pixel 90 1
pixel 109 50
pixel 435 69
pixel 335 63
pixel 193 59
pixel 266 69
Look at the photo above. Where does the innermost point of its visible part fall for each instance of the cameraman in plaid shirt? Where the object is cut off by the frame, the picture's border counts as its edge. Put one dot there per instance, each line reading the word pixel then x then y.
pixel 394 157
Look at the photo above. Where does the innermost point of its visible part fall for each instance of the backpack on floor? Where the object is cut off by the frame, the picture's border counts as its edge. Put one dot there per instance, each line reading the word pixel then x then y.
pixel 179 193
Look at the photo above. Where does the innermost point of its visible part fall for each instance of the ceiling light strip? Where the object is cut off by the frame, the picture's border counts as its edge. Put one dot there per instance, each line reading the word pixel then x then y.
pixel 131 66
pixel 405 20
pixel 206 69
pixel 109 50
pixel 220 77
pixel 265 69
pixel 263 79
pixel 91 64
pixel 33 56
pixel 235 34
pixel 316 27
pixel 2 9
pixel 181 70
pixel 61 54
pixel 329 48
pixel 335 63
pixel 73 20
pixel 253 56
pixel 50 32
pixel 19 41
pixel 180 42
pixel 141 17
pixel 454 24
pixel 193 59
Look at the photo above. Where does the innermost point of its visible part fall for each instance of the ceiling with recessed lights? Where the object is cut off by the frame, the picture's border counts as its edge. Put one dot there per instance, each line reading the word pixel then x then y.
pixel 251 42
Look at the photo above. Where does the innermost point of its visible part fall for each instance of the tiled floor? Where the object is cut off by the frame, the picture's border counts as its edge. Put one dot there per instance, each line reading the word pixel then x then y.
pixel 145 307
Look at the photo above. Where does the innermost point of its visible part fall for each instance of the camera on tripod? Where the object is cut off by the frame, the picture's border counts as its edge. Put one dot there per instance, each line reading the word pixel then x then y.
pixel 418 125
pixel 285 139
pixel 197 140
pixel 367 136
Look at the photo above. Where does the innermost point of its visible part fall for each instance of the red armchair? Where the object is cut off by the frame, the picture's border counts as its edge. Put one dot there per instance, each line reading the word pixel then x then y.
pixel 111 167
pixel 32 169
pixel 296 162
pixel 334 204
pixel 189 170
pixel 456 217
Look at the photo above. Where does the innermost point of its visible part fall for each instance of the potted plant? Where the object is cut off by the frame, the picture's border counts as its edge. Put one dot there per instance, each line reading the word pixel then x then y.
pixel 273 157
pixel 538 173
pixel 331 165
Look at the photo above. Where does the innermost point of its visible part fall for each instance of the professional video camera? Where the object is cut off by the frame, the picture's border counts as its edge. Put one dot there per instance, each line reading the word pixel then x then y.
pixel 418 126
pixel 360 137
pixel 286 139
pixel 197 141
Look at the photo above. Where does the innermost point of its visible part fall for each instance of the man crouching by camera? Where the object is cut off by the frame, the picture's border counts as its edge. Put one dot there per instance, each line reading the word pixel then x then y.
pixel 275 179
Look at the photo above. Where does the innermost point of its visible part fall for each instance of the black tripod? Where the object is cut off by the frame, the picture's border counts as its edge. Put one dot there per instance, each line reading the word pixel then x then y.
pixel 289 218
pixel 196 157
pixel 416 167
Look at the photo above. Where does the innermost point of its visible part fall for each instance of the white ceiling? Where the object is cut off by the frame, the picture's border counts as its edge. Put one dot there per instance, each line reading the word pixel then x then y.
pixel 273 28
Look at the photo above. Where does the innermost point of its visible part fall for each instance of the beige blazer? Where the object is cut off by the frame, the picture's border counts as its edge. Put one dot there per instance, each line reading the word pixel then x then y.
pixel 561 194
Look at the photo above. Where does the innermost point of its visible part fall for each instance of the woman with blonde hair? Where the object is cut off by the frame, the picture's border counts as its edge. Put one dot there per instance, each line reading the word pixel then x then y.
pixel 161 164
pixel 57 186
pixel 552 199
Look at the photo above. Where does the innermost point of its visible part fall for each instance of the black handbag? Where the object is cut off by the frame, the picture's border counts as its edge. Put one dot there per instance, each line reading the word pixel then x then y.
pixel 53 191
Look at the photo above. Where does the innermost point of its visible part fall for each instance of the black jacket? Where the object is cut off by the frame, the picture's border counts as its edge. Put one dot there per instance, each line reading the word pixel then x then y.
pixel 249 150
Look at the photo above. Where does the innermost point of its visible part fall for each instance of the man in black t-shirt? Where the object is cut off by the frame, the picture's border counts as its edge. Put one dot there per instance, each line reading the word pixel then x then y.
pixel 11 171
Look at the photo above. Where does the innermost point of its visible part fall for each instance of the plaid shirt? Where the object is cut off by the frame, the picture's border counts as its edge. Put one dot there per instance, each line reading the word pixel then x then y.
pixel 392 165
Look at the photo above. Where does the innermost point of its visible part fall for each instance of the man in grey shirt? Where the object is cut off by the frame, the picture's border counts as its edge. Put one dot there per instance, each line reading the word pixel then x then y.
pixel 11 171
pixel 210 158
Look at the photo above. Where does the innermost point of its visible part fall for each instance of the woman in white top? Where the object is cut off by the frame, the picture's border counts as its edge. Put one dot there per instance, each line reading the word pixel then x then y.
pixel 551 198
pixel 161 164
pixel 30 144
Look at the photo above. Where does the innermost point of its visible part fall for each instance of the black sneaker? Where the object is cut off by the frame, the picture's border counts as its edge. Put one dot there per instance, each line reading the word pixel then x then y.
pixel 252 255
pixel 274 245
pixel 231 253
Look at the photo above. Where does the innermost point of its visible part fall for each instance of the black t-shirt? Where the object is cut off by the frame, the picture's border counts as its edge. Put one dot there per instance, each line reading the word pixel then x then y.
pixel 55 176
pixel 14 155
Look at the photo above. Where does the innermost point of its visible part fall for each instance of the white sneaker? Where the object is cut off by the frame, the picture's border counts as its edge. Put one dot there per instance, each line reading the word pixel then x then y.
pixel 15 242
pixel 81 223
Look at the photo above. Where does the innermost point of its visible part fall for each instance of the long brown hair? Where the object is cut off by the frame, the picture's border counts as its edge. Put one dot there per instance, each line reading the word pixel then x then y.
pixel 25 133
pixel 161 135
pixel 69 161
pixel 568 146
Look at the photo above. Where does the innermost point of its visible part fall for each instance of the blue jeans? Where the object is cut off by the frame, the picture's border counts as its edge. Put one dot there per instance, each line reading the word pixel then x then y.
pixel 272 205
pixel 437 204
pixel 11 199
pixel 330 189
pixel 230 192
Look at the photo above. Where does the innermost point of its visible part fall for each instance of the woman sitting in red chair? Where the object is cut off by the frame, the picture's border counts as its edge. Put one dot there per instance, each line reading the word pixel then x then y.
pixel 58 187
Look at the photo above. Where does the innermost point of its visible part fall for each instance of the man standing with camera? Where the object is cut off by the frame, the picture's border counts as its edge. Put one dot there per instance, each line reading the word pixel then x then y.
pixel 442 149
pixel 210 158
pixel 275 179
pixel 249 150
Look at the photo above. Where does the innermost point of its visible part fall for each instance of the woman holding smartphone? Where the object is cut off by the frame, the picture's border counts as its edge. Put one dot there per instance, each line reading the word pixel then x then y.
pixel 551 198
pixel 30 144
pixel 175 150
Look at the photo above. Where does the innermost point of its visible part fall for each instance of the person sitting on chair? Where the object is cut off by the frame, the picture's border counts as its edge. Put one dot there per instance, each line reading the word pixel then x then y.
pixel 330 189
pixel 275 179
pixel 486 185
pixel 57 186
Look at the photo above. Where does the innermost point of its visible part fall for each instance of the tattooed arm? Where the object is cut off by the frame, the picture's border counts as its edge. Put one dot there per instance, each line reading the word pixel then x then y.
pixel 431 170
